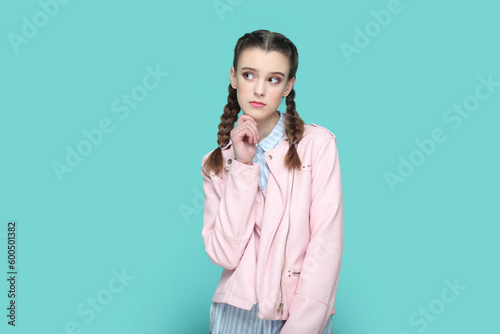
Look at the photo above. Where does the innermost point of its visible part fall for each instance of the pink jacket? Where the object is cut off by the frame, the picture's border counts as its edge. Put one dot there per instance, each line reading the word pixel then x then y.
pixel 286 254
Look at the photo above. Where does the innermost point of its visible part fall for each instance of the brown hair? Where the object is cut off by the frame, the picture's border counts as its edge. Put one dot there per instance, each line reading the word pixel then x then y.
pixel 294 125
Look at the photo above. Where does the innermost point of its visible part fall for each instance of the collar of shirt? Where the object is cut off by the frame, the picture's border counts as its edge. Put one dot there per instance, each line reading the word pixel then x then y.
pixel 275 136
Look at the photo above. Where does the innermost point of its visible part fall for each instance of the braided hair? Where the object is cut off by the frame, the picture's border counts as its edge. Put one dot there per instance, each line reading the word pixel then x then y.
pixel 294 125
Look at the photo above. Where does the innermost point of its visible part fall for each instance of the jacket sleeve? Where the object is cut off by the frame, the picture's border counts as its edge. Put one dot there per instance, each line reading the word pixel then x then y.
pixel 229 216
pixel 313 303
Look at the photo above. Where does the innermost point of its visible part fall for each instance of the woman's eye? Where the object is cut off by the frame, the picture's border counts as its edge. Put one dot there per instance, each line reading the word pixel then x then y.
pixel 277 80
pixel 245 75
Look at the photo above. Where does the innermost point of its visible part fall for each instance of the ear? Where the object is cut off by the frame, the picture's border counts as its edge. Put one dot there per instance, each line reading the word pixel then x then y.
pixel 232 77
pixel 289 86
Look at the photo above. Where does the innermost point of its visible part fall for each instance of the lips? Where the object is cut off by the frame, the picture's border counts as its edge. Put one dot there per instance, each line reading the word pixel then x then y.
pixel 257 103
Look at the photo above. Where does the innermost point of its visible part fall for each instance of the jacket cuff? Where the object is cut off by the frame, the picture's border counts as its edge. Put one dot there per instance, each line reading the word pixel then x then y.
pixel 307 315
pixel 240 166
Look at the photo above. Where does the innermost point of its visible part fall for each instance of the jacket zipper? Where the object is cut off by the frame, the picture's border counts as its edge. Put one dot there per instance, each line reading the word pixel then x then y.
pixel 280 307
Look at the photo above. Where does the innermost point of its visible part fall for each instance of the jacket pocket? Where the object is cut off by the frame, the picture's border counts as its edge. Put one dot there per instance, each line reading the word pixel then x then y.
pixel 291 283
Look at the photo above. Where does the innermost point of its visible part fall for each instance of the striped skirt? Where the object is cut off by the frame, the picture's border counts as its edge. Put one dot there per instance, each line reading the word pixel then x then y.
pixel 228 319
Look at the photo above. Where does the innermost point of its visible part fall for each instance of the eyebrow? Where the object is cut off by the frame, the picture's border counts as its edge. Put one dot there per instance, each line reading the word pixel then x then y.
pixel 256 70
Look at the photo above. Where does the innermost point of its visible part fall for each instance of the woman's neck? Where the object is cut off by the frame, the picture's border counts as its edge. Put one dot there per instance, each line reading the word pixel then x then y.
pixel 266 128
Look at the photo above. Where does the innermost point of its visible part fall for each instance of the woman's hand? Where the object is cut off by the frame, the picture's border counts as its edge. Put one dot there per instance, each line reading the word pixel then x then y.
pixel 244 138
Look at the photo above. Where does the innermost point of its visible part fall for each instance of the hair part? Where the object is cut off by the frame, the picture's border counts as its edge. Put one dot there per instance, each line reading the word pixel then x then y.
pixel 294 125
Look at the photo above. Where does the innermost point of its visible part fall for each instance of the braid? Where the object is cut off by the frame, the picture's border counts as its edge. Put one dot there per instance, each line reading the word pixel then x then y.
pixel 294 129
pixel 228 118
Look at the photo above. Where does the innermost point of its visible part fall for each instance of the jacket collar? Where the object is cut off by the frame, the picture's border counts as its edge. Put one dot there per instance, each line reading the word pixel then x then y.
pixel 306 128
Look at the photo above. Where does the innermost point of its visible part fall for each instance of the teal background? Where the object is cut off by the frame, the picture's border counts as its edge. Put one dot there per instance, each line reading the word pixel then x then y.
pixel 135 202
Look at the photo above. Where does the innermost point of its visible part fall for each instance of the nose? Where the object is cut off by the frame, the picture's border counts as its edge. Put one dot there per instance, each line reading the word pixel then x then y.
pixel 260 88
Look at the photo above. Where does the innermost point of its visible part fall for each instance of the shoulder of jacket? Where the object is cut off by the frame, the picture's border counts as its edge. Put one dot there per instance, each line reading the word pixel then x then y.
pixel 227 155
pixel 205 157
pixel 319 131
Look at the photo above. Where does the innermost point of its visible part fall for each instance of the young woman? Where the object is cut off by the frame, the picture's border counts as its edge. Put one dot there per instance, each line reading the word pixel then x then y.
pixel 273 214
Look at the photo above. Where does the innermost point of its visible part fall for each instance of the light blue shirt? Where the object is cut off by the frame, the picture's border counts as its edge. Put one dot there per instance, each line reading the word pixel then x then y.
pixel 271 141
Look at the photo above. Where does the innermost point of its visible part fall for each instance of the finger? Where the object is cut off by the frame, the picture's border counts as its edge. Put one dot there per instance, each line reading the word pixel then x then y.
pixel 248 118
pixel 239 134
pixel 253 133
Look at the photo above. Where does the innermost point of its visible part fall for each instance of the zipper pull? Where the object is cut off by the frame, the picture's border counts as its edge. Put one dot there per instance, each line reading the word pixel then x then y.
pixel 280 308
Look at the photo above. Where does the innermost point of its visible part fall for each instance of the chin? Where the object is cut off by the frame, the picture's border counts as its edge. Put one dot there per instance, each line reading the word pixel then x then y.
pixel 255 114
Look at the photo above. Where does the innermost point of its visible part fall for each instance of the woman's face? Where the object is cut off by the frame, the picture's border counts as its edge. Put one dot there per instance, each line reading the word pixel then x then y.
pixel 261 77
